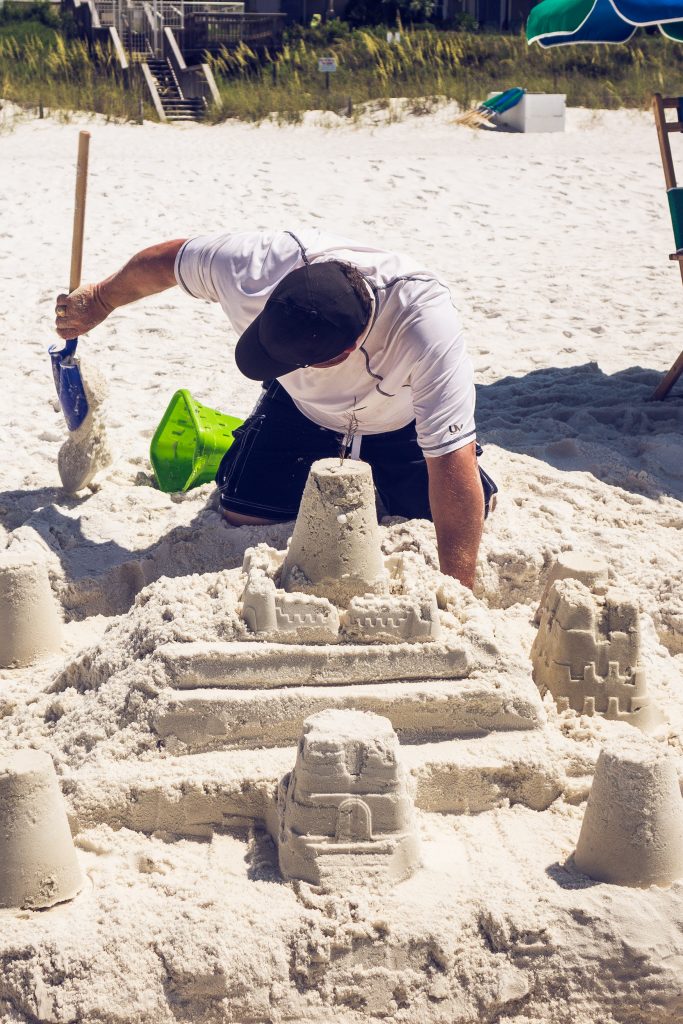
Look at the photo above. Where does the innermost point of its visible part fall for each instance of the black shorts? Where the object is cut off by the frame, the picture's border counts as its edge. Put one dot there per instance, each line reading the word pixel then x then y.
pixel 264 472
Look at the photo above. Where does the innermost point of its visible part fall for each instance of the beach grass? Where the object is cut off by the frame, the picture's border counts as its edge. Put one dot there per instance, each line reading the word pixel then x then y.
pixel 22 31
pixel 428 66
pixel 42 68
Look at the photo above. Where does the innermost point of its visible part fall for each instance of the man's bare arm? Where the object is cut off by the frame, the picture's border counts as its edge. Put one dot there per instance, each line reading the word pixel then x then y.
pixel 456 498
pixel 148 272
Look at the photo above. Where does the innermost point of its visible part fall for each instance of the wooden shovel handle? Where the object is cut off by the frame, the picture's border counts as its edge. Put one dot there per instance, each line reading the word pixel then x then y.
pixel 79 210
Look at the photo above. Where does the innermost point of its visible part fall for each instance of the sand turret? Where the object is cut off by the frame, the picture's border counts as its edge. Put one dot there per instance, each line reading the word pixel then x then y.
pixel 632 830
pixel 587 654
pixel 345 812
pixel 589 569
pixel 335 548
pixel 30 621
pixel 38 865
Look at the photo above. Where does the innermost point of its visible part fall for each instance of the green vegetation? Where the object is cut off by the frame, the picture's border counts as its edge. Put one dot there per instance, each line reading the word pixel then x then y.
pixel 58 75
pixel 19 21
pixel 427 65
pixel 40 66
pixel 22 31
pixel 43 13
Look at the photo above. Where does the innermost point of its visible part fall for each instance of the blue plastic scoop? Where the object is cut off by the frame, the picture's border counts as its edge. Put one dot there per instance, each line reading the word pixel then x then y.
pixel 66 371
pixel 66 368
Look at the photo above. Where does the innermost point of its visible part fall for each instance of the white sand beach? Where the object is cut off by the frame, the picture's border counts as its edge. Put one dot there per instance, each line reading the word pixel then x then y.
pixel 556 250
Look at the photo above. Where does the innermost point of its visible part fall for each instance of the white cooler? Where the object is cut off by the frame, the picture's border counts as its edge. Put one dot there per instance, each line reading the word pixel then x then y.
pixel 535 112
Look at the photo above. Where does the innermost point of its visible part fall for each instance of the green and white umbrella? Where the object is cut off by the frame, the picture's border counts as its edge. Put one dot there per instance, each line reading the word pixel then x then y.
pixel 562 22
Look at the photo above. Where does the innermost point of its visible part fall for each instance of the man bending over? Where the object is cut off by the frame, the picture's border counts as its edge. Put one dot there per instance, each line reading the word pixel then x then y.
pixel 358 351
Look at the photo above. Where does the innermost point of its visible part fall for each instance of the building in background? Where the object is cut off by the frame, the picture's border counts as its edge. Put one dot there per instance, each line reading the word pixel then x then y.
pixel 501 15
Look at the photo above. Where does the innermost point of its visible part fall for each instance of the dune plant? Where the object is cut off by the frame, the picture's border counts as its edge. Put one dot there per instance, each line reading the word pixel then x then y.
pixel 40 67
pixel 47 72
pixel 426 63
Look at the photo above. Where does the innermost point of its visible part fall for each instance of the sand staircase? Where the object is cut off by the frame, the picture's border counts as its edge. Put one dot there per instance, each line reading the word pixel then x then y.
pixel 218 698
pixel 233 735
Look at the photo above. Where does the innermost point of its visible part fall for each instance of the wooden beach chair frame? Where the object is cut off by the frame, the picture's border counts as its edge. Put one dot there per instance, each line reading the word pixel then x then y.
pixel 660 104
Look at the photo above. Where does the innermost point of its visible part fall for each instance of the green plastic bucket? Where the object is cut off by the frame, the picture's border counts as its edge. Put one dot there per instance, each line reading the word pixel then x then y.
pixel 189 443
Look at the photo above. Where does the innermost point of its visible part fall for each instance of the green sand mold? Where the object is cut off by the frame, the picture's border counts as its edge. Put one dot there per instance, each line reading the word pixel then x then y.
pixel 189 443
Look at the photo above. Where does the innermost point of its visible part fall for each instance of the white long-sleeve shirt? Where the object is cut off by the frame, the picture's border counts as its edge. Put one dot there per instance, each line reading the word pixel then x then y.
pixel 413 363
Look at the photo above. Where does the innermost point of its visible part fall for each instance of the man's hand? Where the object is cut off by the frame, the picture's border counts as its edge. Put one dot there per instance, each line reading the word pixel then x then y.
pixel 456 498
pixel 80 311
pixel 148 272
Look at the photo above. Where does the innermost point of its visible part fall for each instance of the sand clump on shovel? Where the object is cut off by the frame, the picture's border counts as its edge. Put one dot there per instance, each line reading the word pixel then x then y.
pixel 86 451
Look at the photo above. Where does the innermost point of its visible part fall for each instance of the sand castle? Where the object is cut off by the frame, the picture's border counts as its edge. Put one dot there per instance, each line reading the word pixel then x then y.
pixel 591 570
pixel 345 813
pixel 334 551
pixel 343 672
pixel 367 631
pixel 335 567
pixel 38 865
pixel 30 621
pixel 632 829
pixel 334 564
pixel 587 649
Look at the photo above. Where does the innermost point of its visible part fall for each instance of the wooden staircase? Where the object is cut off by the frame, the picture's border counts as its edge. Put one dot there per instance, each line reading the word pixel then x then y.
pixel 147 53
pixel 176 106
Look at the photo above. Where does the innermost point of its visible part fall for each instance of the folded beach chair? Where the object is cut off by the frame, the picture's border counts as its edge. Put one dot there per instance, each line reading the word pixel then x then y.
pixel 675 196
pixel 483 113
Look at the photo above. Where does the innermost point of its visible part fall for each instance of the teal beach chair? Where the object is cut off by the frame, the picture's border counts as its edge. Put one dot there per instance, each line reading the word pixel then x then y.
pixel 660 104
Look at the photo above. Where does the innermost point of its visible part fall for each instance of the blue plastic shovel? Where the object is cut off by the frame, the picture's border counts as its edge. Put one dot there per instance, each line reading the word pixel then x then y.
pixel 66 368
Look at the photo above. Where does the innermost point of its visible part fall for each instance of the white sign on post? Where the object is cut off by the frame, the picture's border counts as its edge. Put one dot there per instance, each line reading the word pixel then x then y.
pixel 327 64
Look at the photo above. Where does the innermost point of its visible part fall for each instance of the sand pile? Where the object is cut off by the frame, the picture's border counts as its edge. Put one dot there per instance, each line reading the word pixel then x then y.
pixel 179 818
pixel 86 452
pixel 171 739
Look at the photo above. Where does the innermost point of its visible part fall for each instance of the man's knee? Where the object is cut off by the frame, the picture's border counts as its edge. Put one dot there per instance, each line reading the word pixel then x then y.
pixel 239 519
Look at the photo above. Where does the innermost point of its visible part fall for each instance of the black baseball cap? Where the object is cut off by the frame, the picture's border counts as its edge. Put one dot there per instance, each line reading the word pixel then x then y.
pixel 313 315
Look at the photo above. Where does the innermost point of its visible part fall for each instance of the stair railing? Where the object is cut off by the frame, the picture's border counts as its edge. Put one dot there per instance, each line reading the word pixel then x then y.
pixel 153 91
pixel 196 82
pixel 133 30
pixel 98 26
pixel 154 22
pixel 174 17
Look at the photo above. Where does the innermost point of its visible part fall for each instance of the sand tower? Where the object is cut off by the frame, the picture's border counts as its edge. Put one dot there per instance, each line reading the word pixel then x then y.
pixel 30 623
pixel 632 831
pixel 38 865
pixel 346 816
pixel 587 654
pixel 335 548
pixel 591 570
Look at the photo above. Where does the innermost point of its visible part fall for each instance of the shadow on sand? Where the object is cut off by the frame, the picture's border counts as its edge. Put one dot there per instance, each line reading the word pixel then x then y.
pixel 103 577
pixel 568 877
pixel 574 419
pixel 579 418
